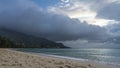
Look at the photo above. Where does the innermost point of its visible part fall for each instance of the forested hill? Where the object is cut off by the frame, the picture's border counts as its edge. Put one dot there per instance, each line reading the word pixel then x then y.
pixel 9 38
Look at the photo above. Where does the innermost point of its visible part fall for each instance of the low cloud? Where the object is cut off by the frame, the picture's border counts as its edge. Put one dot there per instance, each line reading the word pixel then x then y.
pixel 86 44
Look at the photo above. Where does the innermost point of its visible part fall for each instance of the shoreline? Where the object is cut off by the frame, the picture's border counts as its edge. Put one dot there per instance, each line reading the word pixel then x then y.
pixel 47 61
pixel 78 59
pixel 114 65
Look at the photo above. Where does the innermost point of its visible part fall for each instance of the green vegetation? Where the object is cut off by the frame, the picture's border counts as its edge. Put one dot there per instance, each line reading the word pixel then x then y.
pixel 4 42
pixel 7 43
pixel 13 39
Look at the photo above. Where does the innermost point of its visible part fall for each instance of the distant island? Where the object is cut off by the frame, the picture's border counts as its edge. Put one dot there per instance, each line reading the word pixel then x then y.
pixel 13 39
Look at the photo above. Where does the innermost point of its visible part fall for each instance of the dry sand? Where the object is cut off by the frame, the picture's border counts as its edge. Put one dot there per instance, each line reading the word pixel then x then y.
pixel 16 59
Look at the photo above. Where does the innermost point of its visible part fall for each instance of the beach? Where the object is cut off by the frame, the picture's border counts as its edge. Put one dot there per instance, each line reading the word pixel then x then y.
pixel 16 59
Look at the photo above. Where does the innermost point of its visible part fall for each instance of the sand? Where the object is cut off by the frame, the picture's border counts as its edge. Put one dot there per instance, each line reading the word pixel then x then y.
pixel 15 59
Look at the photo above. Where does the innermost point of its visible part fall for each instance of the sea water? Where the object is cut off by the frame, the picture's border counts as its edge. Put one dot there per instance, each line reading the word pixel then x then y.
pixel 108 56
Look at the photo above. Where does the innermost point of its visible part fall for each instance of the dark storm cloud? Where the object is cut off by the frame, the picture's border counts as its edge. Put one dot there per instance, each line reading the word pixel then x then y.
pixel 115 30
pixel 25 16
pixel 110 11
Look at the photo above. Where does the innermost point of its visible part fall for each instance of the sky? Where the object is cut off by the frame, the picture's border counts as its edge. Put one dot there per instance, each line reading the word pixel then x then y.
pixel 76 23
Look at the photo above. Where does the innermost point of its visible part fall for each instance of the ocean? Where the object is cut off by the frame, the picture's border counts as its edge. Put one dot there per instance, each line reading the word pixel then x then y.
pixel 106 56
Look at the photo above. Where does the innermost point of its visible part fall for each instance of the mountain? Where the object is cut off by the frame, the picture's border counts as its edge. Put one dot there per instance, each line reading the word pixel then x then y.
pixel 23 40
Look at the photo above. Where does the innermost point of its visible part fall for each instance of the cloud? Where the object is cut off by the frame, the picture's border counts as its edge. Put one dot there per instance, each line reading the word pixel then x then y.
pixel 84 10
pixel 86 44
pixel 65 1
pixel 25 16
pixel 110 11
pixel 98 12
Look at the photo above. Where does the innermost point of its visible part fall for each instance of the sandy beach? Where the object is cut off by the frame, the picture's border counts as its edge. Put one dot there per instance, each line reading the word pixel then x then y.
pixel 15 59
